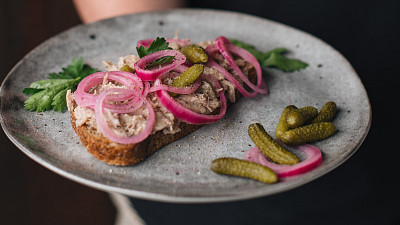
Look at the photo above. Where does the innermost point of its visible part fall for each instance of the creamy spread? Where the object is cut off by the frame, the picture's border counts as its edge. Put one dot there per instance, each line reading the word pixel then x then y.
pixel 205 101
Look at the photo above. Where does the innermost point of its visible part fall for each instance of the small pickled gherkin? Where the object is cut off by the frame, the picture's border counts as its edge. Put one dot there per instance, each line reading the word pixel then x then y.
pixel 189 76
pixel 243 168
pixel 194 53
pixel 269 147
pixel 308 133
pixel 282 126
pixel 127 68
pixel 328 111
pixel 299 117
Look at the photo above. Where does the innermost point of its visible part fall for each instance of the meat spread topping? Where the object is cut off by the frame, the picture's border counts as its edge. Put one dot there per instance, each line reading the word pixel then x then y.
pixel 204 100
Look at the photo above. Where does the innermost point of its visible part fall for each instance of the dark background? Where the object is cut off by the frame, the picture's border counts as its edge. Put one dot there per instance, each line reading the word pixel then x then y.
pixel 364 190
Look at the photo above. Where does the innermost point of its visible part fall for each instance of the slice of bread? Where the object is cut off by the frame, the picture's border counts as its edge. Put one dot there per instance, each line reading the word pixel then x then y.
pixel 125 154
pixel 130 154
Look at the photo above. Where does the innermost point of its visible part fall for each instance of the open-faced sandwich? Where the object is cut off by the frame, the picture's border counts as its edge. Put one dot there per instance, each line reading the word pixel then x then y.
pixel 145 102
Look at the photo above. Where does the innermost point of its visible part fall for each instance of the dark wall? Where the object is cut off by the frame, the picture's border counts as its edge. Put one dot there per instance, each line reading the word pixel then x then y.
pixel 29 193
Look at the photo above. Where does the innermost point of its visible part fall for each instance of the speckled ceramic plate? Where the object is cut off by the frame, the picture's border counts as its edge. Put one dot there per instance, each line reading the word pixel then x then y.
pixel 180 172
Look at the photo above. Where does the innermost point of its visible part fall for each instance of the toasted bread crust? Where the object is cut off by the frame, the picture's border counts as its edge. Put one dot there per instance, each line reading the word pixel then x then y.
pixel 126 154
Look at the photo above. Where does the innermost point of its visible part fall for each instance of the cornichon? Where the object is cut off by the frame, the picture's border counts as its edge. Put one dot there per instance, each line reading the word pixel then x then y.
pixel 243 168
pixel 189 76
pixel 308 133
pixel 269 146
pixel 127 68
pixel 282 126
pixel 299 117
pixel 328 111
pixel 194 54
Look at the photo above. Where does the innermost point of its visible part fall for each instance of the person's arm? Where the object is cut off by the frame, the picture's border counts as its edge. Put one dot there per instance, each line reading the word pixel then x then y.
pixel 93 10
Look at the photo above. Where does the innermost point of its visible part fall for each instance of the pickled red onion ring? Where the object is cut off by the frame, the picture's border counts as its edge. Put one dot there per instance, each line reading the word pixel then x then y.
pixel 145 43
pixel 158 85
pixel 108 132
pixel 85 99
pixel 181 68
pixel 211 63
pixel 188 115
pixel 146 89
pixel 225 47
pixel 244 54
pixel 153 73
pixel 314 158
pixel 131 106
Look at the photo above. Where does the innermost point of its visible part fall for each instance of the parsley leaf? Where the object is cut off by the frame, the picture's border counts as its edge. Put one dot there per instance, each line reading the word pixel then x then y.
pixel 285 64
pixel 31 91
pixel 266 55
pixel 160 61
pixel 76 69
pixel 49 97
pixel 51 93
pixel 273 58
pixel 157 45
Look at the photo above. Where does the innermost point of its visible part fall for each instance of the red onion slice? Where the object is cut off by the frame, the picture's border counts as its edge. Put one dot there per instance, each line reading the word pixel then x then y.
pixel 108 132
pixel 145 43
pixel 186 114
pixel 181 68
pixel 314 158
pixel 153 73
pixel 225 47
pixel 85 99
pixel 158 85
pixel 211 63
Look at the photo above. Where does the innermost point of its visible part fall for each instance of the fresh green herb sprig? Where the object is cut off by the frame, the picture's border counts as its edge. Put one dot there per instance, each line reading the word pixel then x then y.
pixel 51 93
pixel 161 60
pixel 273 58
pixel 157 45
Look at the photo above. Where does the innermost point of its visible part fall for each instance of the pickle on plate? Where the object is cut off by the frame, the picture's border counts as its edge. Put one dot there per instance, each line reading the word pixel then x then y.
pixel 269 147
pixel 243 168
pixel 194 53
pixel 328 111
pixel 282 126
pixel 299 117
pixel 308 133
